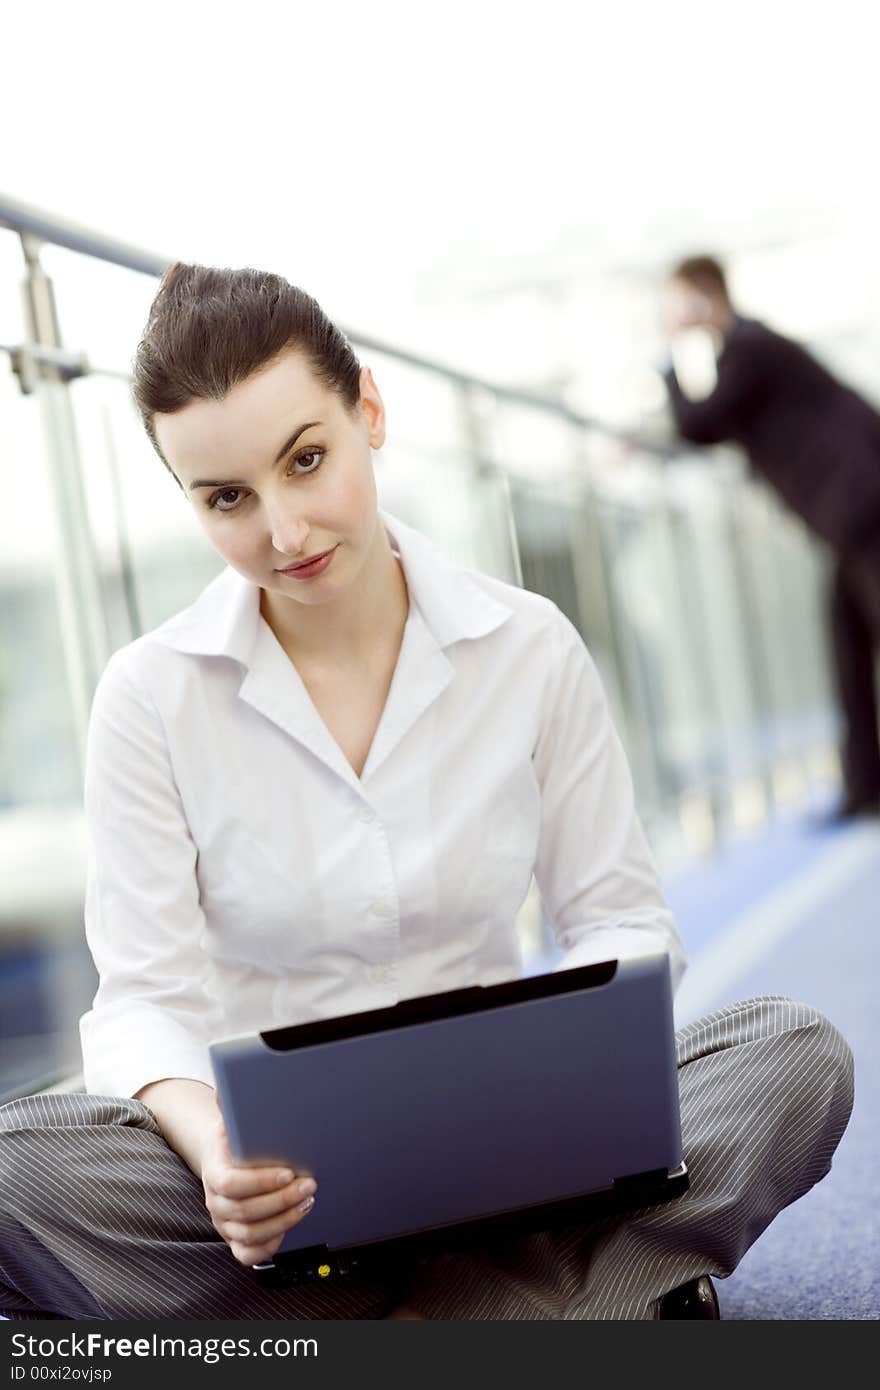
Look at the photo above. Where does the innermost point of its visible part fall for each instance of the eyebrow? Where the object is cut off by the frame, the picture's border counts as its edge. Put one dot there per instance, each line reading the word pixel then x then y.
pixel 237 482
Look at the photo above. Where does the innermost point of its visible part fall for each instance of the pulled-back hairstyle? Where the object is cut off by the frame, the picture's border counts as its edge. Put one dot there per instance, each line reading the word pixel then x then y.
pixel 704 273
pixel 210 329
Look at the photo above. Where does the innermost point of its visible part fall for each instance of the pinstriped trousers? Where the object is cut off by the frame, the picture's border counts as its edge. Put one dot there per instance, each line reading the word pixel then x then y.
pixel 99 1218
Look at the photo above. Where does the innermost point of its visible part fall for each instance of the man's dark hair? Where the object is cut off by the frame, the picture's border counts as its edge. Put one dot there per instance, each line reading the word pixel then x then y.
pixel 209 329
pixel 705 273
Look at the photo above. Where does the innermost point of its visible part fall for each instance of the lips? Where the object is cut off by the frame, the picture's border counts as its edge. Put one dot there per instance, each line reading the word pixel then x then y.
pixel 304 564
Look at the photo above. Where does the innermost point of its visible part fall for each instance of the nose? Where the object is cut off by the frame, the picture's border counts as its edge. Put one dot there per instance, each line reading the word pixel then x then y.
pixel 288 529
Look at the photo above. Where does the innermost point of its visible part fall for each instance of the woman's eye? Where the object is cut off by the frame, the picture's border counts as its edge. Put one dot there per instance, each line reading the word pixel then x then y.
pixel 226 500
pixel 308 461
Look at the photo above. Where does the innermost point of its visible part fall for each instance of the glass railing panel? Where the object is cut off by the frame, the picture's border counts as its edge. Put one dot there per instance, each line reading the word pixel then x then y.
pixel 788 574
pixel 432 471
pixel 39 761
pixel 46 978
pixel 11 304
pixel 102 308
pixel 531 443
pixel 666 711
pixel 465 510
pixel 545 521
pixel 711 581
pixel 804 579
pixel 563 537
pixel 786 578
pixel 423 409
pixel 154 557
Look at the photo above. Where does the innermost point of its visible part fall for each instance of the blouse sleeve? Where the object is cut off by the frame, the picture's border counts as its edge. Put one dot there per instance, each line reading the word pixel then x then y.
pixel 151 1017
pixel 596 875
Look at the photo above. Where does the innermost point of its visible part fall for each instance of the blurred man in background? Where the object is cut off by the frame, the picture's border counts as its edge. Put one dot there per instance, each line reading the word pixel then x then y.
pixel 818 444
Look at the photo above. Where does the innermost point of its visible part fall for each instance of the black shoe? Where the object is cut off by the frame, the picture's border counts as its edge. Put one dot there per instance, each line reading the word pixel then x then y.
pixel 697 1299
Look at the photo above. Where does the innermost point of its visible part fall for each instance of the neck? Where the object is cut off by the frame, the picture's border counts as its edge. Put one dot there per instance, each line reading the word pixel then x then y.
pixel 371 613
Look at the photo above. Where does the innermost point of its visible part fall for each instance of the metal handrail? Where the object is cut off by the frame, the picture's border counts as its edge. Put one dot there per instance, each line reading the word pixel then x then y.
pixel 26 219
pixel 60 231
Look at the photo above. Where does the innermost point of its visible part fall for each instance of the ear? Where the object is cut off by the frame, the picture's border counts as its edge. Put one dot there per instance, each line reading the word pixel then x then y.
pixel 373 409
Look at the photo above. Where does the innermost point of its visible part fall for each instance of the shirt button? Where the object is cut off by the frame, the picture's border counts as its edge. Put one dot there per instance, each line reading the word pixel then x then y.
pixel 366 815
pixel 382 908
pixel 379 973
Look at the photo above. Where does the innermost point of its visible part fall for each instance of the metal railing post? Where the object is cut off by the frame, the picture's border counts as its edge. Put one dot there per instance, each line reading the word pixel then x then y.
pixel 76 571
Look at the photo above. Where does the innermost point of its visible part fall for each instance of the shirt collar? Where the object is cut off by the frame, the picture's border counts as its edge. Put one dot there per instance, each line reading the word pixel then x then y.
pixel 452 601
pixel 225 618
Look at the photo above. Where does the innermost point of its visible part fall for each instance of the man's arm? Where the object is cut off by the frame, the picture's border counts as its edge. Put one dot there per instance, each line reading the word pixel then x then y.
pixel 719 415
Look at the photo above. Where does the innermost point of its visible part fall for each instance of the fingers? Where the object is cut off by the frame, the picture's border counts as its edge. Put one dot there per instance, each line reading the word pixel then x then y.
pixel 264 1205
pixel 238 1184
pixel 259 1232
pixel 253 1208
pixel 253 1226
pixel 254 1244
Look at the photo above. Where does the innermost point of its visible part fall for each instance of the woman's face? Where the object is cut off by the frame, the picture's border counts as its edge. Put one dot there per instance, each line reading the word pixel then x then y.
pixel 279 472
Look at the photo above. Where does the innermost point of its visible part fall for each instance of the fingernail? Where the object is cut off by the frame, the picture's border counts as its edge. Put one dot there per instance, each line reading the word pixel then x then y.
pixel 306 1205
pixel 284 1177
pixel 308 1187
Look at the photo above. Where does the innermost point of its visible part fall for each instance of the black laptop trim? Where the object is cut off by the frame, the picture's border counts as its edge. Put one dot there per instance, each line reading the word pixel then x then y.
pixel 431 1007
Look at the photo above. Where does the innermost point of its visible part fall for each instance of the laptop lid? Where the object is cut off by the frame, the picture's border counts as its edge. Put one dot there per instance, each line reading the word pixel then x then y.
pixel 517 1100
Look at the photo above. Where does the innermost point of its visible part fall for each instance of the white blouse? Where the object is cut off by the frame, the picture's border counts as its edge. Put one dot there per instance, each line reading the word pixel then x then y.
pixel 243 877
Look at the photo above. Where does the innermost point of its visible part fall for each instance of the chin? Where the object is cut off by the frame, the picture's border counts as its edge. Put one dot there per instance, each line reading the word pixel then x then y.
pixel 306 594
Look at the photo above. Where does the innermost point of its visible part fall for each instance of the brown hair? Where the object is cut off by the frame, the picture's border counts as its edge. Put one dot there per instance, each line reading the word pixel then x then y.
pixel 704 273
pixel 209 329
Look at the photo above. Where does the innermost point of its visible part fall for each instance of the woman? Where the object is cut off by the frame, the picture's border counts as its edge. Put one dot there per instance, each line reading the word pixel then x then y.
pixel 325 787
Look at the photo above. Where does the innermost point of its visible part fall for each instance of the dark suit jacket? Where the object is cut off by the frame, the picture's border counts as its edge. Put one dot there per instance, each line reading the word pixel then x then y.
pixel 815 440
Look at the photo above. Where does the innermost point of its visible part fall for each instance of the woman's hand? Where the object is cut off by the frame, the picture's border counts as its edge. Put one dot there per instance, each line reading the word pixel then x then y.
pixel 252 1208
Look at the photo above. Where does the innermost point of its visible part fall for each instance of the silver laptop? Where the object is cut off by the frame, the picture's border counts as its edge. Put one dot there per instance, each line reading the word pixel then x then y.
pixel 477 1113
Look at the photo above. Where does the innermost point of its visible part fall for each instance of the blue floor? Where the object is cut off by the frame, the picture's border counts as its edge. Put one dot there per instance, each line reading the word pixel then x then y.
pixel 709 894
pixel 821 1257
